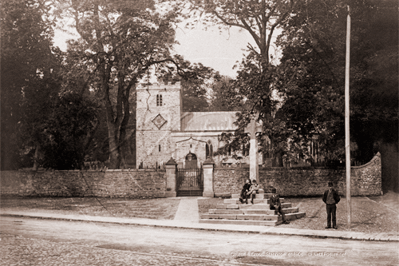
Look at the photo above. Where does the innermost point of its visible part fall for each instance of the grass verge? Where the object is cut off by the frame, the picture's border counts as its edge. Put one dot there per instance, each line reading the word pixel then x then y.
pixel 160 208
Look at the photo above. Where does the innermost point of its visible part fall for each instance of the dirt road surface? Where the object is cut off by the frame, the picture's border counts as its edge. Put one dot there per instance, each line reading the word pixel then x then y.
pixel 26 241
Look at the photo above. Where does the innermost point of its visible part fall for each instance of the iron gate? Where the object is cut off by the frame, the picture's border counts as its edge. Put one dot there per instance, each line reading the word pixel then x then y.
pixel 190 182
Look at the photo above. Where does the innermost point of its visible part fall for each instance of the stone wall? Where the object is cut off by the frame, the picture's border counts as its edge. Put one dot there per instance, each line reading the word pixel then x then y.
pixel 149 183
pixel 111 183
pixel 365 180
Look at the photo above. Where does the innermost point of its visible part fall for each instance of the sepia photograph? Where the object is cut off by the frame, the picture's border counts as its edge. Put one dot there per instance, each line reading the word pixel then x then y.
pixel 199 132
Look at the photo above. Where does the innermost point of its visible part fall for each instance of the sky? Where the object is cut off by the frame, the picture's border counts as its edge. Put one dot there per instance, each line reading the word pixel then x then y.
pixel 212 48
pixel 219 50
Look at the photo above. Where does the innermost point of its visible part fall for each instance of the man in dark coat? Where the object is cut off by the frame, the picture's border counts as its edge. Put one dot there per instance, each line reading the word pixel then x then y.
pixel 253 190
pixel 331 198
pixel 275 204
pixel 244 191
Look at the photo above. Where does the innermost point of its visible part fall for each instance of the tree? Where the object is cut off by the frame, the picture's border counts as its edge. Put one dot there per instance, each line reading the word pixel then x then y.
pixel 195 80
pixel 313 45
pixel 260 19
pixel 26 57
pixel 62 126
pixel 119 42
pixel 224 97
pixel 256 73
pixel 195 87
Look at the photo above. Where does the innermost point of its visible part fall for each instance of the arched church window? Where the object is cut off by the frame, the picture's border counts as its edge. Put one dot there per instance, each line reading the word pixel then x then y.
pixel 159 99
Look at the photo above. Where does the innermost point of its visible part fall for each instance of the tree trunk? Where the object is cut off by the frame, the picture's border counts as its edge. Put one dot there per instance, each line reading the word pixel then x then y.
pixel 36 157
pixel 114 155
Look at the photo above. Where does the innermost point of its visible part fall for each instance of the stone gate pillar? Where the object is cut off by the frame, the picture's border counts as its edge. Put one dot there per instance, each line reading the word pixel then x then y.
pixel 170 167
pixel 208 178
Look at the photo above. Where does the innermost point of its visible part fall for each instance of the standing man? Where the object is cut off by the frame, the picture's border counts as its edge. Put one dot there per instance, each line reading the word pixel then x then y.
pixel 331 198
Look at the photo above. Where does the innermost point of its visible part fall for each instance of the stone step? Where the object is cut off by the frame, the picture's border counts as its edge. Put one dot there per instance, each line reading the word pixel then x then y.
pixel 294 216
pixel 240 222
pixel 242 211
pixel 225 211
pixel 227 206
pixel 252 211
pixel 219 216
pixel 241 217
pixel 281 200
pixel 258 196
pixel 272 217
pixel 258 211
pixel 262 206
pixel 290 210
pixel 249 205
pixel 237 201
pixel 253 217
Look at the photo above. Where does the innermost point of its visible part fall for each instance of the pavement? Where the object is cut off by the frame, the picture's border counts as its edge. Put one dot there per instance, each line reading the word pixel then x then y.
pixel 187 218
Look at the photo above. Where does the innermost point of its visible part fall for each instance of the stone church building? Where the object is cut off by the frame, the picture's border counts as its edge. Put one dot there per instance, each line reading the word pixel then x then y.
pixel 163 130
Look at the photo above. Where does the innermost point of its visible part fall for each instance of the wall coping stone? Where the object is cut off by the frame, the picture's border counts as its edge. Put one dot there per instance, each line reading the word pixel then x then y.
pixel 375 157
pixel 171 162
pixel 209 161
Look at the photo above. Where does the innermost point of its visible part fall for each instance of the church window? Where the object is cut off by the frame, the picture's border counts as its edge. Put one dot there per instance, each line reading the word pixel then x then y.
pixel 159 147
pixel 159 99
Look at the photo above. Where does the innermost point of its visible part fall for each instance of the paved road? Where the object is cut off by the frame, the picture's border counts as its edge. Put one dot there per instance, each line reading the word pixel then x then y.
pixel 48 242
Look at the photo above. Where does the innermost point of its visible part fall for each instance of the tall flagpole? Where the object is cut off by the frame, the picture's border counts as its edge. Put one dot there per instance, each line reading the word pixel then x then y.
pixel 347 119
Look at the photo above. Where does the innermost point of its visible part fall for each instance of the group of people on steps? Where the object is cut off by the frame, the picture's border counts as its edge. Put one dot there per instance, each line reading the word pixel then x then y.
pixel 330 198
pixel 250 189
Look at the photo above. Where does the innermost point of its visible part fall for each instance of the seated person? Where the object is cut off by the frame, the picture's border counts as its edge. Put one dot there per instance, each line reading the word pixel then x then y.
pixel 253 190
pixel 275 204
pixel 244 191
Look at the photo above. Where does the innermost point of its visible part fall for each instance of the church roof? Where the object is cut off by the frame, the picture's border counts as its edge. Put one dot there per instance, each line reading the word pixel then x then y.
pixel 208 121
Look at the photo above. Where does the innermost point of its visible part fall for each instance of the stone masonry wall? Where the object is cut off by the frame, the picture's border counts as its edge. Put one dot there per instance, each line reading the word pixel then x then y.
pixel 149 183
pixel 111 183
pixel 365 180
pixel 153 144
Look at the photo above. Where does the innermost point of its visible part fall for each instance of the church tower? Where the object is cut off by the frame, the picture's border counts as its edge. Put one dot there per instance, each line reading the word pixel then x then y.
pixel 158 113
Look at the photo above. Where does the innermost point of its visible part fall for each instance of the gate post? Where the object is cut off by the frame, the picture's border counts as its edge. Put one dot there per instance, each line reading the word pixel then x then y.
pixel 170 167
pixel 208 178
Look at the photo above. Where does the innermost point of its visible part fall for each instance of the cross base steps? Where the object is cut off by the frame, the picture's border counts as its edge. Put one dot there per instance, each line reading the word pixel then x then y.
pixel 232 211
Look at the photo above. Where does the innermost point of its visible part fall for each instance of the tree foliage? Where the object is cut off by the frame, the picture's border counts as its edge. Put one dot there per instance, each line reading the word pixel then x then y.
pixel 43 122
pixel 260 19
pixel 312 73
pixel 62 127
pixel 26 32
pixel 119 42
pixel 253 87
pixel 223 95
pixel 309 78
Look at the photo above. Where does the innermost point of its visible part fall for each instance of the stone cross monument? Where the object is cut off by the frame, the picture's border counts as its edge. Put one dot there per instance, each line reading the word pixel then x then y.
pixel 252 129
